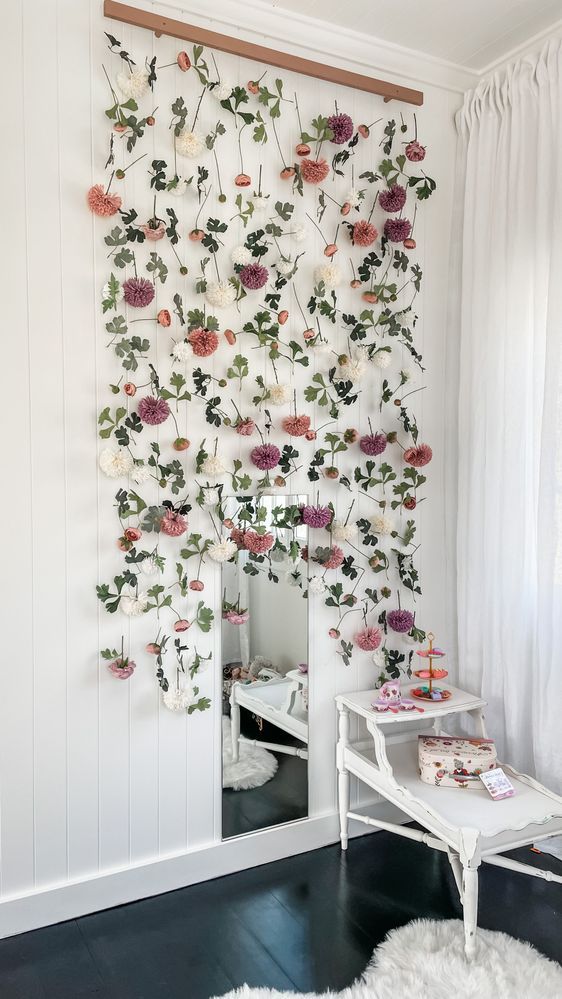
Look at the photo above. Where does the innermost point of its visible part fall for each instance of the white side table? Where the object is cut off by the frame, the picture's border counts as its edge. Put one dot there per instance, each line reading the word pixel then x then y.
pixel 466 824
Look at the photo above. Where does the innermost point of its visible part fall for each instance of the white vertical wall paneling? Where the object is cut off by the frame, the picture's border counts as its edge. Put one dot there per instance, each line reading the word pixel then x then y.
pixel 16 667
pixel 78 328
pixel 48 452
pixel 117 778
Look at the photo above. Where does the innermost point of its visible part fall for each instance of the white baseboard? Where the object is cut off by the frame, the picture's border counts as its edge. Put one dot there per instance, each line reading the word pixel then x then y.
pixel 59 902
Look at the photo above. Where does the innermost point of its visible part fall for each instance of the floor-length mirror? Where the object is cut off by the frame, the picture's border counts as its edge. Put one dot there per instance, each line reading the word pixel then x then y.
pixel 264 639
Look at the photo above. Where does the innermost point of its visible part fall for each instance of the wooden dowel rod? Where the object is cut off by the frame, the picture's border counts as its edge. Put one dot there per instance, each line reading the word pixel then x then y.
pixel 258 53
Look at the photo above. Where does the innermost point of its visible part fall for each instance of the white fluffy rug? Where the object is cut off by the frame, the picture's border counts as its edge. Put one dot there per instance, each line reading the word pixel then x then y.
pixel 425 960
pixel 254 767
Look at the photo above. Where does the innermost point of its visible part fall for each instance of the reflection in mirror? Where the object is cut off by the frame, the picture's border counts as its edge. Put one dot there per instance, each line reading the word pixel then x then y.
pixel 265 664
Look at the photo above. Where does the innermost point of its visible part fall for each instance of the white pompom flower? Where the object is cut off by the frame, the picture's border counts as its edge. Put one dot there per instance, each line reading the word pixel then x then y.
pixel 190 144
pixel 220 294
pixel 278 394
pixel 133 84
pixel 382 525
pixel 284 267
pixel 344 532
pixel 221 92
pixel 260 202
pixel 179 189
pixel 115 462
pixel 182 351
pixel 140 474
pixel 213 465
pixel 354 197
pixel 329 274
pixel 179 698
pixel 299 232
pixel 316 585
pixel 241 255
pixel 222 551
pixel 350 370
pixel 211 496
pixel 382 359
pixel 133 604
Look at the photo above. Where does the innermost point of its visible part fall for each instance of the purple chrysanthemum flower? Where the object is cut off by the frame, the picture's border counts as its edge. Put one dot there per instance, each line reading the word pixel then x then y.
pixel 254 276
pixel 342 127
pixel 153 411
pixel 265 456
pixel 316 516
pixel 393 199
pixel 397 230
pixel 400 620
pixel 138 292
pixel 373 444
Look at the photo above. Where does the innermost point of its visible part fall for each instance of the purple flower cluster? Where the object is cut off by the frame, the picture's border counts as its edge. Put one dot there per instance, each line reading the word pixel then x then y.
pixel 373 444
pixel 254 276
pixel 342 128
pixel 393 199
pixel 316 516
pixel 138 292
pixel 153 411
pixel 265 456
pixel 400 620
pixel 397 230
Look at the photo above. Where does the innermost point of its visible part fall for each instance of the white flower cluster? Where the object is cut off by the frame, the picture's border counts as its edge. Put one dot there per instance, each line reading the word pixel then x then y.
pixel 382 525
pixel 213 465
pixel 133 84
pixel 220 294
pixel 343 532
pixel 222 551
pixel 260 203
pixel 182 351
pixel 382 358
pixel 115 462
pixel 190 144
pixel 316 585
pixel 330 274
pixel 178 698
pixel 278 394
pixel 133 604
pixel 140 474
pixel 241 255
pixel 221 92
pixel 351 369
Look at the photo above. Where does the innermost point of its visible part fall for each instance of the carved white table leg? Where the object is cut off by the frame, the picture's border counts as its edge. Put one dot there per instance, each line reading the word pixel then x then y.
pixel 343 775
pixel 235 727
pixel 456 868
pixel 470 909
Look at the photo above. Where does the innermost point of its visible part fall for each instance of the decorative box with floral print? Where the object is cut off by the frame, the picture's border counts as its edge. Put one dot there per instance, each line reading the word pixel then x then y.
pixel 447 761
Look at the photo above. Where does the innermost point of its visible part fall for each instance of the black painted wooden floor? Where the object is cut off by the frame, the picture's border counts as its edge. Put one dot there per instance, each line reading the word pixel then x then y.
pixel 306 923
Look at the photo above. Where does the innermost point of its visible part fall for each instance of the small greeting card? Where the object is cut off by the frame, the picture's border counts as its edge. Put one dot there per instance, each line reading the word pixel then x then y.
pixel 497 784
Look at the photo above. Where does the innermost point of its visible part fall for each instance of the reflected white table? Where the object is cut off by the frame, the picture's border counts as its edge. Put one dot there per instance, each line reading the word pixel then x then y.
pixel 466 824
pixel 278 702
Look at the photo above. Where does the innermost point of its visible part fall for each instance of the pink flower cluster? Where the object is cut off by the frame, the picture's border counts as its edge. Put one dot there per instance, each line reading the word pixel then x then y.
pixel 368 639
pixel 373 444
pixel 296 426
pixel 256 543
pixel 400 620
pixel 254 276
pixel 152 410
pixel 314 171
pixel 173 524
pixel 418 456
pixel 342 128
pixel 138 292
pixel 393 199
pixel 203 342
pixel 363 233
pixel 265 456
pixel 316 516
pixel 397 230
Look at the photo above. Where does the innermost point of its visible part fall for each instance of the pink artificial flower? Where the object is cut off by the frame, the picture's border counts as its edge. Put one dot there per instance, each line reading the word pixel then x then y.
pixel 418 456
pixel 342 128
pixel 245 427
pixel 182 625
pixel 254 276
pixel 203 342
pixel 368 639
pixel 373 444
pixel 393 199
pixel 183 61
pixel 138 292
pixel 122 668
pixel 265 456
pixel 363 233
pixel 132 534
pixel 397 230
pixel 400 620
pixel 164 318
pixel 296 426
pixel 237 535
pixel 334 559
pixel 103 204
pixel 316 516
pixel 415 152
pixel 314 171
pixel 153 411
pixel 236 618
pixel 256 543
pixel 153 233
pixel 173 524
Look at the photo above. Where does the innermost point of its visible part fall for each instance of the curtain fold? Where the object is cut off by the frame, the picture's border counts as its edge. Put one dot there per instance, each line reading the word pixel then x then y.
pixel 509 533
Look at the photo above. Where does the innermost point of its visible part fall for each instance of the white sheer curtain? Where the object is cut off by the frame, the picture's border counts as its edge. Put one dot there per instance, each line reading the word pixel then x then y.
pixel 509 543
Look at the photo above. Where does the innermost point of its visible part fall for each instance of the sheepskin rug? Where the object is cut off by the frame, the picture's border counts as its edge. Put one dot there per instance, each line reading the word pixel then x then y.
pixel 254 767
pixel 425 960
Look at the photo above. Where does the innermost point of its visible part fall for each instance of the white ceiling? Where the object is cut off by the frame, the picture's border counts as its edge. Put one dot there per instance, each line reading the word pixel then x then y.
pixel 470 33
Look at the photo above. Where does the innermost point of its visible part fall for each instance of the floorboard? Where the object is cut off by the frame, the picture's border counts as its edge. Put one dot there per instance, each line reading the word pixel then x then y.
pixel 307 923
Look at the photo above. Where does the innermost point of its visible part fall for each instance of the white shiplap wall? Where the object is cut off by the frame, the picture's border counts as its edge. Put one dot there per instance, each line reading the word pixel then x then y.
pixel 95 775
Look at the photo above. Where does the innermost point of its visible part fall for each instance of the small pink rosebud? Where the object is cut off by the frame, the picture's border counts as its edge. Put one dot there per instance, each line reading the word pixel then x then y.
pixel 182 625
pixel 183 61
pixel 196 584
pixel 153 649
pixel 334 633
pixel 129 388
pixel 164 318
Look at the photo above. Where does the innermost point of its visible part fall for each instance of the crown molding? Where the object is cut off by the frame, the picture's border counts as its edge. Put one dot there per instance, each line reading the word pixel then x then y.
pixel 344 47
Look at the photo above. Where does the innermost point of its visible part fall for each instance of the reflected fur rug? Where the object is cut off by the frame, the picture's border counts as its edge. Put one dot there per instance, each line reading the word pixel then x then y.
pixel 254 767
pixel 425 960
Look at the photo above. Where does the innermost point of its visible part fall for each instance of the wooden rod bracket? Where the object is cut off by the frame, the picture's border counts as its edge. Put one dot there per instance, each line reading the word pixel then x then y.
pixel 259 53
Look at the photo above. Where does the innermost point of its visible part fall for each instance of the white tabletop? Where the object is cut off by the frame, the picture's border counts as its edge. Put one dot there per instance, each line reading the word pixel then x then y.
pixel 295 674
pixel 360 702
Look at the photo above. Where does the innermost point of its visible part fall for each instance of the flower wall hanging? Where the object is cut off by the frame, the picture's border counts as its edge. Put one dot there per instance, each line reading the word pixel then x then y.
pixel 277 354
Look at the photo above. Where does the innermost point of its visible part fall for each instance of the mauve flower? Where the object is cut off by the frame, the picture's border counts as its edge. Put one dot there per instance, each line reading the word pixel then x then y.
pixel 245 427
pixel 265 456
pixel 364 233
pixel 316 516
pixel 397 230
pixel 373 444
pixel 122 668
pixel 256 543
pixel 235 618
pixel 334 559
pixel 254 276
pixel 296 426
pixel 103 204
pixel 342 127
pixel 132 534
pixel 415 152
pixel 203 342
pixel 153 233
pixel 314 171
pixel 138 292
pixel 393 199
pixel 400 620
pixel 237 535
pixel 153 411
pixel 173 524
pixel 368 639
pixel 418 456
